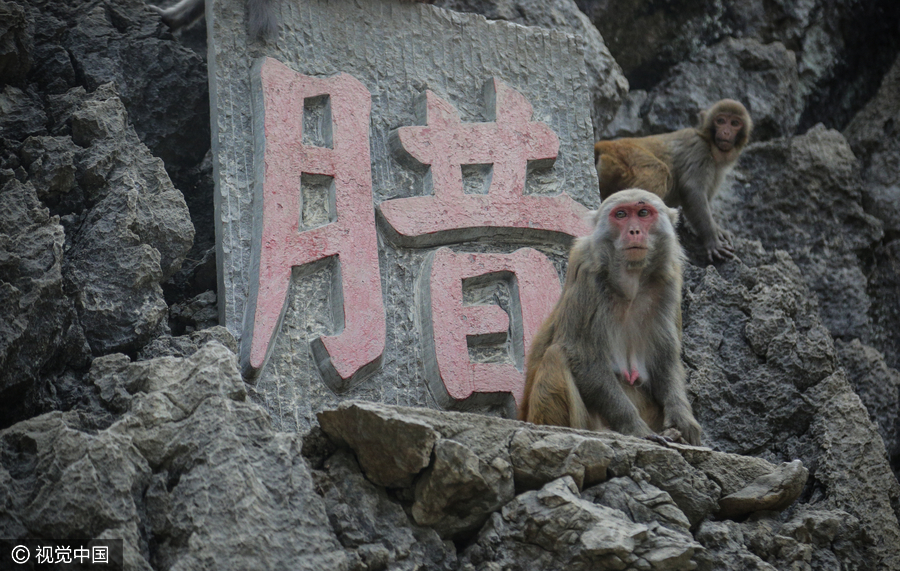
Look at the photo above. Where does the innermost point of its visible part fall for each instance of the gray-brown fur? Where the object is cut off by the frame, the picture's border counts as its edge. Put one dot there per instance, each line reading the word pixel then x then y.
pixel 609 306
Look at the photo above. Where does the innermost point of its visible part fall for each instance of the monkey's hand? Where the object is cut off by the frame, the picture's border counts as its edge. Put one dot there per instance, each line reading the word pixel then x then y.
pixel 687 427
pixel 726 237
pixel 717 250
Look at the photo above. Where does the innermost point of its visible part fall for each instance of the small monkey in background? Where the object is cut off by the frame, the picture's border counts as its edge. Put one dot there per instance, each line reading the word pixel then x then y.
pixel 684 168
pixel 609 354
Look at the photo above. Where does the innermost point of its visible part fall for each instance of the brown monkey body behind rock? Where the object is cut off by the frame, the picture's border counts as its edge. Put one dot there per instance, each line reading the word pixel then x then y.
pixel 609 355
pixel 685 168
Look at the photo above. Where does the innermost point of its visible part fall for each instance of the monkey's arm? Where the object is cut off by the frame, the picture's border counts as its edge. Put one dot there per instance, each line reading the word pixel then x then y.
pixel 668 390
pixel 603 395
pixel 697 209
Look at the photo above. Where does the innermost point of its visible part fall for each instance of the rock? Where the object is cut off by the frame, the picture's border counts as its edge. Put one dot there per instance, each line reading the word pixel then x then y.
pixel 691 489
pixel 188 344
pixel 198 313
pixel 641 501
pixel 539 458
pixel 772 492
pixel 391 449
pixel 39 330
pixel 458 492
pixel 608 85
pixel 16 43
pixel 878 387
pixel 133 238
pixel 376 527
pixel 853 467
pixel 462 467
pixel 804 195
pixel 837 72
pixel 552 528
pixel 191 468
pixel 162 84
pixel 21 114
pixel 872 134
pixel 51 165
pixel 793 400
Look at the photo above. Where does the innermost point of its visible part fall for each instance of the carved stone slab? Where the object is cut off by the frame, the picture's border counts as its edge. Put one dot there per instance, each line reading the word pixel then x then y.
pixel 397 187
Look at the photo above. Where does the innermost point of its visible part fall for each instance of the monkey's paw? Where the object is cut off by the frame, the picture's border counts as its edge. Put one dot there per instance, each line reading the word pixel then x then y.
pixel 661 439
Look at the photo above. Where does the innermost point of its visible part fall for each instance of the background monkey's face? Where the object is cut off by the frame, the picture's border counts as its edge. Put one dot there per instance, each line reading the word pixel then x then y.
pixel 726 129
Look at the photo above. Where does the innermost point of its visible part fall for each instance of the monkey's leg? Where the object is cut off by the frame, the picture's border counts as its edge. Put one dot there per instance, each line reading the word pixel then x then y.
pixel 554 397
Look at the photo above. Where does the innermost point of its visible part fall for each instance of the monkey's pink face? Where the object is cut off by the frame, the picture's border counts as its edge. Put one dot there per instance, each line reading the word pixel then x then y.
pixel 727 127
pixel 633 222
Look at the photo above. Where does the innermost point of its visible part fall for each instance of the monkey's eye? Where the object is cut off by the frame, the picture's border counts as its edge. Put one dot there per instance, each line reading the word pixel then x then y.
pixel 643 213
pixel 621 214
pixel 736 124
pixel 720 120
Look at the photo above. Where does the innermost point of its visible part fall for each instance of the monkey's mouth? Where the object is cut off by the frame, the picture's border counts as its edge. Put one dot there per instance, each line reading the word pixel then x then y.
pixel 724 144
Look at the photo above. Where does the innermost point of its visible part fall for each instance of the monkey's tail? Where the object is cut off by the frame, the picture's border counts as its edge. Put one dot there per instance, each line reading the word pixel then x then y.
pixel 263 21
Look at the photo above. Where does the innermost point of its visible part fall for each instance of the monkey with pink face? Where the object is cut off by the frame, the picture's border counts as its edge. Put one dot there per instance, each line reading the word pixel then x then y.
pixel 609 354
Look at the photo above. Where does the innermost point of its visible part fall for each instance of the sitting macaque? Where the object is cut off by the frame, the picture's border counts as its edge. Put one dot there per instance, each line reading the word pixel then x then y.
pixel 609 355
pixel 684 168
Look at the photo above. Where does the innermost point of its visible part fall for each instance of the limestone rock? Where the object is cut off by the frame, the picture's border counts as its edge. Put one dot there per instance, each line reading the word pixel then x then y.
pixel 772 492
pixel 552 528
pixel 134 236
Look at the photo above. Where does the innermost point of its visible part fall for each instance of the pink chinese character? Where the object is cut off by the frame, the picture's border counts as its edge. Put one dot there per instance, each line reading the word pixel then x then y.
pixel 508 143
pixel 449 323
pixel 349 234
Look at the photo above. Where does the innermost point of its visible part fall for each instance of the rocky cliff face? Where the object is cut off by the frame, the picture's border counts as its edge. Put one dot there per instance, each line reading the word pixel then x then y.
pixel 123 413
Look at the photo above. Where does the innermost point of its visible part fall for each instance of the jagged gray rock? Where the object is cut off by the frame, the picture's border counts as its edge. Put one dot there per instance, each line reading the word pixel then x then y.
pixel 771 492
pixel 804 195
pixel 539 458
pixel 878 387
pixel 553 528
pixel 39 330
pixel 191 466
pixel 464 467
pixel 135 235
pixel 16 43
pixel 787 397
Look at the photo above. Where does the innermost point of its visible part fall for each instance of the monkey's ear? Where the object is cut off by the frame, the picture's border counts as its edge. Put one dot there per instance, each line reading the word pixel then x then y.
pixel 673 216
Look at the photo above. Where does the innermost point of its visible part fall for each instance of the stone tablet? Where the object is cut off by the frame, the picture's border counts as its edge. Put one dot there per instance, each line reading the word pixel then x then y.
pixel 397 187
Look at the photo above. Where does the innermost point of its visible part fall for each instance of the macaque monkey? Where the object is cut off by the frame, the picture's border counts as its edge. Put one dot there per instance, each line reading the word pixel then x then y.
pixel 609 355
pixel 684 168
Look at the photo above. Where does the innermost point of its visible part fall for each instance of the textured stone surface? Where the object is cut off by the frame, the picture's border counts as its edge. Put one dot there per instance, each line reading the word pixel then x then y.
pixel 607 84
pixel 786 396
pixel 774 491
pixel 133 237
pixel 803 195
pixel 453 71
pixel 463 467
pixel 527 534
pixel 192 467
pixel 39 330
